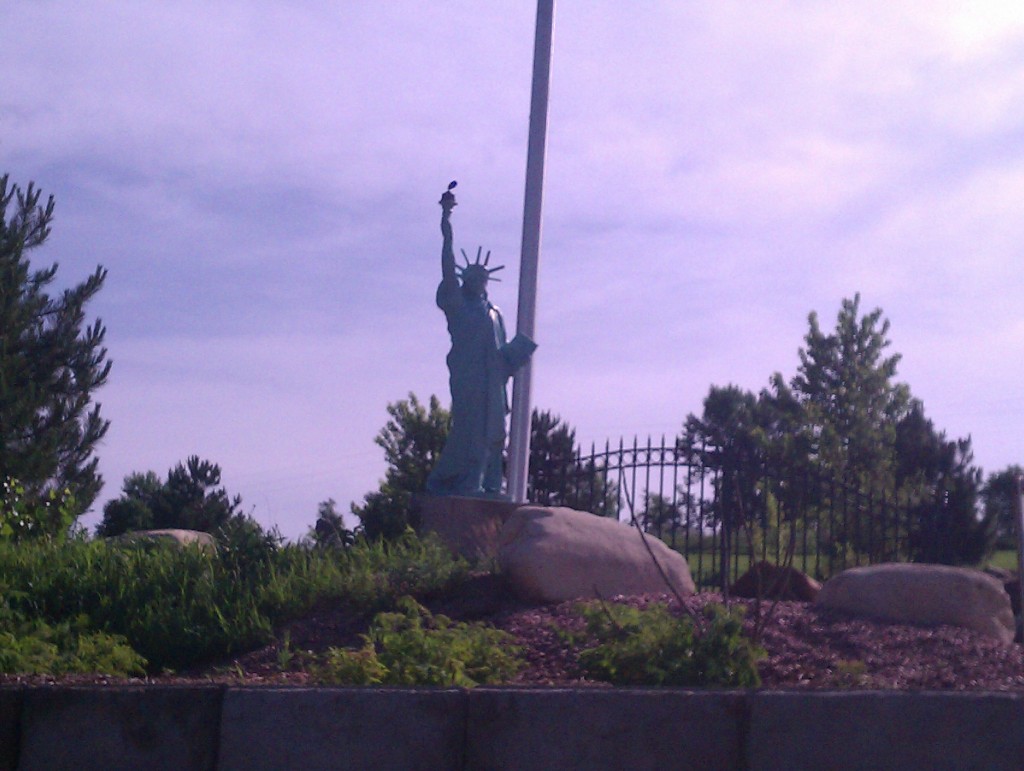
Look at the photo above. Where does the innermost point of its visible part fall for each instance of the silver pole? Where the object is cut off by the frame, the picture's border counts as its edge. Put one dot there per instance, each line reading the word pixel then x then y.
pixel 1018 510
pixel 519 430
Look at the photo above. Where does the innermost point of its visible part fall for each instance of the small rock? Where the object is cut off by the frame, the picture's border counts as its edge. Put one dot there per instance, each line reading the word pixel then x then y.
pixel 776 583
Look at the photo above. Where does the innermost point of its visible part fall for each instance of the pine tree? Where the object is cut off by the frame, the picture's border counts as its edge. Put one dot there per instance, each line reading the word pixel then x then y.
pixel 845 418
pixel 329 529
pixel 191 498
pixel 51 362
pixel 998 495
pixel 942 486
pixel 558 476
pixel 850 403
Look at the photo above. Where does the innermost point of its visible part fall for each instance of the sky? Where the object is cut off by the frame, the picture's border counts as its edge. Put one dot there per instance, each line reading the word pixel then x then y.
pixel 260 179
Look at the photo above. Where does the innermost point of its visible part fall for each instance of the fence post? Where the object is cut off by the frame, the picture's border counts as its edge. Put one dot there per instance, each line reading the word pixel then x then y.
pixel 725 527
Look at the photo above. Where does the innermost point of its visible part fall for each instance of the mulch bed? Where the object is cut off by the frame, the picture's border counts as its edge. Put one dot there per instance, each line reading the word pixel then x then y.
pixel 807 648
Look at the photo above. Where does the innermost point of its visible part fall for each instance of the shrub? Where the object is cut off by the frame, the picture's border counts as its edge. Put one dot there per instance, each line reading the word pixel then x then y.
pixel 654 647
pixel 35 647
pixel 246 549
pixel 413 647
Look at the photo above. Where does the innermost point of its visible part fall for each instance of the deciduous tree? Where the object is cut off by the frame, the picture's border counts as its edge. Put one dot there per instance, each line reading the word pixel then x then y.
pixel 850 402
pixel 412 441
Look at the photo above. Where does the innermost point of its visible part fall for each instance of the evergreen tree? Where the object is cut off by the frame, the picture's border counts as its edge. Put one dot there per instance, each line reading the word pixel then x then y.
pixel 938 479
pixel 51 362
pixel 191 498
pixel 329 529
pixel 558 476
pixel 998 494
pixel 850 404
pixel 844 418
pixel 133 509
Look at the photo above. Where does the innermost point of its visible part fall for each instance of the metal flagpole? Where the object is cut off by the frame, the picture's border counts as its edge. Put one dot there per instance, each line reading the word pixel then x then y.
pixel 519 430
pixel 1018 511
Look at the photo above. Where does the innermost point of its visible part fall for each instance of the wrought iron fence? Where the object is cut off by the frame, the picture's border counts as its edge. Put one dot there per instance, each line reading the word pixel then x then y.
pixel 723 513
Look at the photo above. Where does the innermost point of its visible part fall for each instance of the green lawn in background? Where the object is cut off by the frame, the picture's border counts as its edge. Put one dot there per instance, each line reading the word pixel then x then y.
pixel 706 578
pixel 1004 558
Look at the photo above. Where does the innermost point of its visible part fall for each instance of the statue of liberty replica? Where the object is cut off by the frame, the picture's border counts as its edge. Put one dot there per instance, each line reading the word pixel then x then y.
pixel 479 365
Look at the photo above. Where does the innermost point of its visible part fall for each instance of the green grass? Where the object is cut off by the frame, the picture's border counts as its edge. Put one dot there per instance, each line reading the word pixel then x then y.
pixel 179 608
pixel 704 561
pixel 1003 558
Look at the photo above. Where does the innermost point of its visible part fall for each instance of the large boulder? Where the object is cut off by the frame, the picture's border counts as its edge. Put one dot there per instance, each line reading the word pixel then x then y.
pixel 1010 582
pixel 775 582
pixel 176 536
pixel 557 554
pixel 923 594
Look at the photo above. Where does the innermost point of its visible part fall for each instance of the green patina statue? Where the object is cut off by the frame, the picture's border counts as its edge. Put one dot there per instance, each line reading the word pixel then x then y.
pixel 479 366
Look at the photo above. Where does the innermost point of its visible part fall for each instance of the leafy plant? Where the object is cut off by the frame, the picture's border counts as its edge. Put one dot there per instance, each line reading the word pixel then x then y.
pixel 653 647
pixel 850 673
pixel 413 647
pixel 35 647
pixel 23 517
pixel 351 667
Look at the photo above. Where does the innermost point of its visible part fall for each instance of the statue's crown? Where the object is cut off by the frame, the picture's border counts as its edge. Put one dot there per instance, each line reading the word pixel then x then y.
pixel 477 269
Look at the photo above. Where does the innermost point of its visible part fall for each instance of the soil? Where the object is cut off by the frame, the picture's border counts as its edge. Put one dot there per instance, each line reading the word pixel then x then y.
pixel 807 648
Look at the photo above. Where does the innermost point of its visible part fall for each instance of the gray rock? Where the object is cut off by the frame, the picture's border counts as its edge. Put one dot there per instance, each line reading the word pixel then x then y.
pixel 557 554
pixel 172 535
pixel 923 594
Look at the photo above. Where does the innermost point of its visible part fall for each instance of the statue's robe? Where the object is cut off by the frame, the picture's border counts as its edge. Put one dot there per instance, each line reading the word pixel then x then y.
pixel 479 365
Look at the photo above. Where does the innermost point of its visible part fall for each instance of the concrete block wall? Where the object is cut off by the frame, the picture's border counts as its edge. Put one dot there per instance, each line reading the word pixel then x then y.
pixel 218 727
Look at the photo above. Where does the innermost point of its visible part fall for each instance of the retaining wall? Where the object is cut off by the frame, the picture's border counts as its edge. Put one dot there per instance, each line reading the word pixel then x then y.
pixel 219 727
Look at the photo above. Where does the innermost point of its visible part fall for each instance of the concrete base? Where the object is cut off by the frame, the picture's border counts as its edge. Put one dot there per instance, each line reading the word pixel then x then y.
pixel 327 728
pixel 886 729
pixel 613 728
pixel 494 729
pixel 119 728
pixel 10 727
pixel 470 526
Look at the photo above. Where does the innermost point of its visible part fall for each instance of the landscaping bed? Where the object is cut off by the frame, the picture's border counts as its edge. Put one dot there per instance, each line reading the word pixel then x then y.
pixel 806 648
pixel 263 614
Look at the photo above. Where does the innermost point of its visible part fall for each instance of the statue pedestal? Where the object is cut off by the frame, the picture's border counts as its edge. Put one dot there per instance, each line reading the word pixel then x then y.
pixel 469 526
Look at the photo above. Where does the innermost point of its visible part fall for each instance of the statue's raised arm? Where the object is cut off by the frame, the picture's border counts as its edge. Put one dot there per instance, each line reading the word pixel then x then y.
pixel 447 202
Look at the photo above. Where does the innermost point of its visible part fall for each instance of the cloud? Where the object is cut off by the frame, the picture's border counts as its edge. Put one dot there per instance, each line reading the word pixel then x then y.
pixel 261 180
